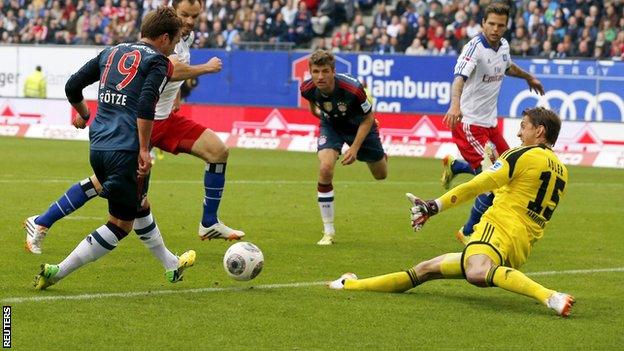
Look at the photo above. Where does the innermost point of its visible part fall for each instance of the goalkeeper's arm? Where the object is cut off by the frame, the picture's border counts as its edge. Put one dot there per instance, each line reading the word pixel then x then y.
pixel 422 210
pixel 480 184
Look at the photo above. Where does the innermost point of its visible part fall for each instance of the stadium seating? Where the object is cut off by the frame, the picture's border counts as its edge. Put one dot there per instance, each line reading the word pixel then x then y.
pixel 548 29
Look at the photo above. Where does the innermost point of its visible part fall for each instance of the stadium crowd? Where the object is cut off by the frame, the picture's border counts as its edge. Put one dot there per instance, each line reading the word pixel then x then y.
pixel 544 28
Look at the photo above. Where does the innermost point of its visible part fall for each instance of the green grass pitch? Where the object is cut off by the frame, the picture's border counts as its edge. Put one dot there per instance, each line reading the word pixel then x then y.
pixel 271 195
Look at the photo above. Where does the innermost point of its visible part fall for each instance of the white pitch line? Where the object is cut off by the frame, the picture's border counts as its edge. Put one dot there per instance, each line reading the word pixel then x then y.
pixel 579 271
pixel 291 182
pixel 82 218
pixel 156 292
pixel 230 289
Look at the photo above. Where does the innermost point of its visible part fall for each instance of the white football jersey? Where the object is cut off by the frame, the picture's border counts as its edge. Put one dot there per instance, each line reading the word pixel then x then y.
pixel 181 52
pixel 483 69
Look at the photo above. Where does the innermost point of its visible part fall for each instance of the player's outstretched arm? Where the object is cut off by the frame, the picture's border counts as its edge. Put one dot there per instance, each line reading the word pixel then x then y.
pixel 534 83
pixel 184 71
pixel 421 210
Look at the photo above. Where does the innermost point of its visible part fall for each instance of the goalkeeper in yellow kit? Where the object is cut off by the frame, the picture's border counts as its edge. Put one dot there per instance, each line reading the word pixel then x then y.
pixel 529 182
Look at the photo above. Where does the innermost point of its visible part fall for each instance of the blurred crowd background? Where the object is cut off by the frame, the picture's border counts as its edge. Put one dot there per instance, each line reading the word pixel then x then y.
pixel 546 28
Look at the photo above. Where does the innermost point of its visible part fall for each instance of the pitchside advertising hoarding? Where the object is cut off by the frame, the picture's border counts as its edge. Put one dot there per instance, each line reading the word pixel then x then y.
pixel 411 95
pixel 579 90
pixel 295 129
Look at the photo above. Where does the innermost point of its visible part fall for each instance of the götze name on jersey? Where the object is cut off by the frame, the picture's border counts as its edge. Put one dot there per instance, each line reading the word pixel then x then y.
pixel 113 98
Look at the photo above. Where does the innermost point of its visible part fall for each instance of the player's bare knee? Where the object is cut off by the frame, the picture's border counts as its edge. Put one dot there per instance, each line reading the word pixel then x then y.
pixel 380 175
pixel 427 270
pixel 476 276
pixel 326 170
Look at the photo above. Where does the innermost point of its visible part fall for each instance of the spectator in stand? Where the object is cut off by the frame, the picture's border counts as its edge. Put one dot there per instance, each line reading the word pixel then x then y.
pixel 431 49
pixel 447 49
pixel 342 38
pixel 289 11
pixel 516 40
pixel 416 49
pixel 473 29
pixel 609 31
pixel 383 46
pixel 547 51
pixel 561 51
pixel 259 35
pixel 617 46
pixel 590 28
pixel 438 37
pixel 392 30
pixel 584 49
pixel 301 31
pixel 325 12
pixel 406 35
pixel 381 17
pixel 410 15
pixel 114 21
pixel 278 29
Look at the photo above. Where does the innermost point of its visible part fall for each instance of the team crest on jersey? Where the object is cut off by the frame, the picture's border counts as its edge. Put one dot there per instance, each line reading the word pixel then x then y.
pixel 504 57
pixel 342 107
pixel 327 105
pixel 322 140
pixel 496 166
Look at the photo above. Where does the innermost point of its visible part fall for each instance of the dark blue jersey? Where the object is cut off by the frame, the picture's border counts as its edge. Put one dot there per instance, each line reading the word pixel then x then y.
pixel 345 107
pixel 132 76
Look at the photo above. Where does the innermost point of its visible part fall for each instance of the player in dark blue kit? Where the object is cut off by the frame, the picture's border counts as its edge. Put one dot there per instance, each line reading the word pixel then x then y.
pixel 346 115
pixel 131 77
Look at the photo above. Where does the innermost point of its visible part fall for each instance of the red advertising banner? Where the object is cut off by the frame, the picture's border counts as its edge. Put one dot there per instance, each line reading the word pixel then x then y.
pixel 294 129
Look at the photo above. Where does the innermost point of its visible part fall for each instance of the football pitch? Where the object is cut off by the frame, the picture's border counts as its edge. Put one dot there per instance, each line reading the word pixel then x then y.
pixel 123 301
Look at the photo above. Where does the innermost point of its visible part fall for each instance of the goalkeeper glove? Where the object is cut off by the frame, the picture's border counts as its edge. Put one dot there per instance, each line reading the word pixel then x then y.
pixel 421 211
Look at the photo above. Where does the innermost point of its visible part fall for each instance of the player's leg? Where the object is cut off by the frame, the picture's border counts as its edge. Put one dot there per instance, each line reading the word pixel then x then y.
pixel 496 137
pixel 373 154
pixel 97 244
pixel 485 259
pixel 329 145
pixel 179 134
pixel 485 200
pixel 464 139
pixel 325 193
pixel 472 141
pixel 76 196
pixel 481 204
pixel 117 172
pixel 447 266
pixel 147 230
pixel 214 152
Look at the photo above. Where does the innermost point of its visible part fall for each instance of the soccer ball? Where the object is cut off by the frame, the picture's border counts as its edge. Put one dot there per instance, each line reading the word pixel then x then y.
pixel 243 261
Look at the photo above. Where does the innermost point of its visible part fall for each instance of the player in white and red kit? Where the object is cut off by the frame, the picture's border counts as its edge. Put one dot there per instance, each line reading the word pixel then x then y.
pixel 472 116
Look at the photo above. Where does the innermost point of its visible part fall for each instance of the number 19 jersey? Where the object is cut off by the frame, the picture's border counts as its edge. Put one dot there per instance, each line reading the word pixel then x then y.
pixel 131 77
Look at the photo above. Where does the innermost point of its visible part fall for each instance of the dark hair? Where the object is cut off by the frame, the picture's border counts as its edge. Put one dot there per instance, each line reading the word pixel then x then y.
pixel 175 3
pixel 38 68
pixel 541 116
pixel 497 9
pixel 322 58
pixel 161 21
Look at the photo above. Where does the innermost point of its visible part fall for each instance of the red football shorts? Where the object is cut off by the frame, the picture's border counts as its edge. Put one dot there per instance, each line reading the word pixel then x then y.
pixel 470 140
pixel 176 133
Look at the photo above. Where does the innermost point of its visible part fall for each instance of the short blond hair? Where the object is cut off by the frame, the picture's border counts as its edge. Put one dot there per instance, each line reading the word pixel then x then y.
pixel 322 58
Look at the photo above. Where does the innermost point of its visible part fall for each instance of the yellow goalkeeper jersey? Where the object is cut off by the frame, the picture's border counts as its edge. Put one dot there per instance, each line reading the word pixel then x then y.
pixel 528 183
